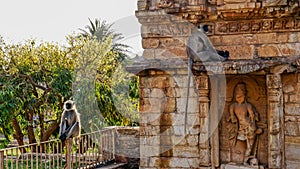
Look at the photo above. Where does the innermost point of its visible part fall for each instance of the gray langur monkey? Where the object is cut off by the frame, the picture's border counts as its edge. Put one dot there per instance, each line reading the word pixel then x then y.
pixel 70 122
pixel 199 49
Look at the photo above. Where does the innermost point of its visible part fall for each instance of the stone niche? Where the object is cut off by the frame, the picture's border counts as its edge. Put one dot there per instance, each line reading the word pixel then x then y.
pixel 232 150
pixel 181 128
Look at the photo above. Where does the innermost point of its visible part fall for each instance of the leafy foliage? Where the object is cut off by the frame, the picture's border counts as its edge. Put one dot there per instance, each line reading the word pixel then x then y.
pixel 37 78
pixel 116 89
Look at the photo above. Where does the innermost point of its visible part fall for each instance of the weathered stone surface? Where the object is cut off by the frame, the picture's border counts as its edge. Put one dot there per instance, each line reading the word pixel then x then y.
pixel 204 140
pixel 159 53
pixel 235 166
pixel 175 162
pixel 148 43
pixel 239 51
pixel 157 93
pixel 155 105
pixel 292 151
pixel 260 36
pixel 149 130
pixel 292 164
pixel 158 82
pixel 183 92
pixel 289 49
pixel 292 109
pixel 204 125
pixel 148 140
pixel 294 98
pixel 264 38
pixel 178 51
pixel 144 162
pixel 193 130
pixel 171 105
pixel 193 105
pixel 148 151
pixel 269 51
pixel 292 129
pixel 205 157
pixel 288 88
pixel 186 151
pixel 182 81
pixel 173 41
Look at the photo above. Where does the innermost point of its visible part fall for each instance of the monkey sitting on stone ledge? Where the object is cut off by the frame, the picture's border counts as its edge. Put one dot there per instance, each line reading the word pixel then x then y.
pixel 199 47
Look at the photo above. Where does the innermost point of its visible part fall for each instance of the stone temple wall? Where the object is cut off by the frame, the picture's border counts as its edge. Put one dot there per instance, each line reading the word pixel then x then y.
pixel 291 90
pixel 163 141
pixel 262 38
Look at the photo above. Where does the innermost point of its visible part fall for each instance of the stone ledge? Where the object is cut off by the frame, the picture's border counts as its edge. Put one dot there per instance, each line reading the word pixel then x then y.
pixel 236 166
pixel 216 67
pixel 113 166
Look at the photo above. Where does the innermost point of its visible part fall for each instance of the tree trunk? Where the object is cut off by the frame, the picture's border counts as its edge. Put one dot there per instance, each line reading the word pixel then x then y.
pixel 49 131
pixel 18 134
pixel 41 119
pixel 31 136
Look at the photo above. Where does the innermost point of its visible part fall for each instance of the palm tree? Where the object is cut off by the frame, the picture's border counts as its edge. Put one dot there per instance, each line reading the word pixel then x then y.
pixel 110 65
pixel 102 30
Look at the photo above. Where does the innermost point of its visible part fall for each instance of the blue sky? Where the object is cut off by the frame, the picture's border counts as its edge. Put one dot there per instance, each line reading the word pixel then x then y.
pixel 52 20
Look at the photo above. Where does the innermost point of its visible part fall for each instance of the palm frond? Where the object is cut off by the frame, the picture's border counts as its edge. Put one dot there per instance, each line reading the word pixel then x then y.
pixel 101 30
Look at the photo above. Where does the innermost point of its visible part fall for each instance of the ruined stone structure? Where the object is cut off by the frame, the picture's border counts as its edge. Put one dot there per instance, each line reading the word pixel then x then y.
pixel 184 121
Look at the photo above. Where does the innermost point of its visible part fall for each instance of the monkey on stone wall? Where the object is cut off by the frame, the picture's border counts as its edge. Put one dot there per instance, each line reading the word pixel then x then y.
pixel 70 122
pixel 200 49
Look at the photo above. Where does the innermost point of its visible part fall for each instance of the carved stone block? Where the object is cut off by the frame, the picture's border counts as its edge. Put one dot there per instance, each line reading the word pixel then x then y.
pixel 205 156
pixel 274 2
pixel 269 51
pixel 273 81
pixel 166 30
pixel 236 166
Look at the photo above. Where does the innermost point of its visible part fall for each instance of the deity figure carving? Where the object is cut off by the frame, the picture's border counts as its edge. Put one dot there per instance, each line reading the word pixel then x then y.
pixel 243 118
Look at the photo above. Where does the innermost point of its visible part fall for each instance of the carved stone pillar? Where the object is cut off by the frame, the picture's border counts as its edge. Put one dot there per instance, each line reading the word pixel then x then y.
pixel 204 144
pixel 214 122
pixel 275 121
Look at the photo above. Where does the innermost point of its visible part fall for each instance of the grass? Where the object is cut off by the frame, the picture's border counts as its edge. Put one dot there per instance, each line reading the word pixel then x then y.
pixel 53 164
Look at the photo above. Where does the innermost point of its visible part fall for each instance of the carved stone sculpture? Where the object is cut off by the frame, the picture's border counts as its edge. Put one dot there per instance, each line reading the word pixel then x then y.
pixel 243 117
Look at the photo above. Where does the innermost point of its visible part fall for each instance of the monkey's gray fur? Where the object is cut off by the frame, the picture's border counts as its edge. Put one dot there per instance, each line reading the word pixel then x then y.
pixel 70 121
pixel 199 47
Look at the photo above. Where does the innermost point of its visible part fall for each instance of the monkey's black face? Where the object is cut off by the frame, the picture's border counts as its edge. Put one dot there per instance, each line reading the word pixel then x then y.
pixel 68 106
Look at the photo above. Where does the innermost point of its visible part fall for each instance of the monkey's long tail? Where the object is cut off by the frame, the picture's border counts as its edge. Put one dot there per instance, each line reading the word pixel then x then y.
pixel 188 94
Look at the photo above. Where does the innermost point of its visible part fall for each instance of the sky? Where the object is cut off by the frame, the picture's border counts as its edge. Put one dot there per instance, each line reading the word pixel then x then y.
pixel 53 20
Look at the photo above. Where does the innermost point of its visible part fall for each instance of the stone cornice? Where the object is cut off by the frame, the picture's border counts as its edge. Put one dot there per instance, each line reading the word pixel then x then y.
pixel 173 28
pixel 218 10
pixel 286 24
pixel 259 66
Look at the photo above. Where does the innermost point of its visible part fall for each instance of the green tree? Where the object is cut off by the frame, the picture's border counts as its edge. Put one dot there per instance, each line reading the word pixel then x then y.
pixel 35 80
pixel 117 106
